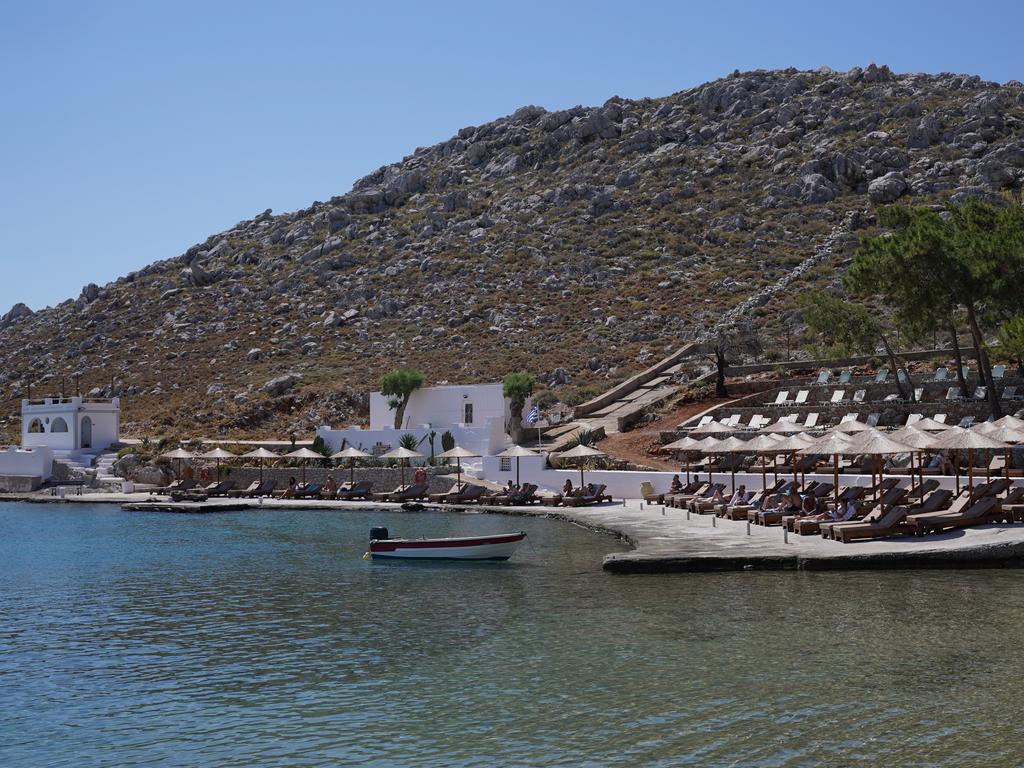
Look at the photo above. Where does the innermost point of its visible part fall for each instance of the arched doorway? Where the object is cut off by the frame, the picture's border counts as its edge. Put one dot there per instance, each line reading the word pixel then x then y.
pixel 35 427
pixel 86 432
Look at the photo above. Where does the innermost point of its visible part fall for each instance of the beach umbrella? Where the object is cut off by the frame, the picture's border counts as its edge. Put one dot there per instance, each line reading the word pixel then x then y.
pixel 458 453
pixel 1007 434
pixel 793 443
pixel 852 425
pixel 260 453
pixel 929 425
pixel 733 445
pixel 714 428
pixel 960 439
pixel 517 452
pixel 179 455
pixel 920 441
pixel 875 443
pixel 218 454
pixel 304 455
pixel 403 455
pixel 684 445
pixel 1010 421
pixel 707 446
pixel 351 453
pixel 763 445
pixel 831 443
pixel 581 452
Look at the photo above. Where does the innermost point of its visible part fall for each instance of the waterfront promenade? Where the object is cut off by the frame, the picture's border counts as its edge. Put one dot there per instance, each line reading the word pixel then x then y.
pixel 664 540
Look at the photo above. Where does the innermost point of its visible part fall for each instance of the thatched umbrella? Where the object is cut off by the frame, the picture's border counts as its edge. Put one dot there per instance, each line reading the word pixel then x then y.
pixel 831 443
pixel 960 439
pixel 792 444
pixel 929 425
pixel 920 441
pixel 684 445
pixel 179 455
pixel 217 454
pixel 351 453
pixel 1010 421
pixel 517 452
pixel 852 425
pixel 714 428
pixel 1006 433
pixel 875 443
pixel 581 452
pixel 403 455
pixel 304 455
pixel 707 446
pixel 783 426
pixel 763 445
pixel 458 453
pixel 732 445
pixel 260 453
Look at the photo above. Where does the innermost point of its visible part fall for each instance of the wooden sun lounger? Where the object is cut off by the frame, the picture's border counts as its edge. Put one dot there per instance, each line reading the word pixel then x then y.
pixel 891 523
pixel 404 493
pixel 361 490
pixel 984 510
pixel 598 495
pixel 468 494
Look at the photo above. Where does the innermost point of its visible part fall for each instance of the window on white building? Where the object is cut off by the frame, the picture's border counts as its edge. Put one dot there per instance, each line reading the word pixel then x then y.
pixel 59 425
pixel 35 427
pixel 506 464
pixel 468 414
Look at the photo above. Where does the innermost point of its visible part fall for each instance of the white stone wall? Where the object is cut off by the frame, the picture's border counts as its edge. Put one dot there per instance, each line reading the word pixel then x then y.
pixel 444 407
pixel 26 462
pixel 102 417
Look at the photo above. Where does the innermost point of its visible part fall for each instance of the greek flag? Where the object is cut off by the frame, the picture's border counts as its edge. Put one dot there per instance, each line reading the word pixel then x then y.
pixel 534 415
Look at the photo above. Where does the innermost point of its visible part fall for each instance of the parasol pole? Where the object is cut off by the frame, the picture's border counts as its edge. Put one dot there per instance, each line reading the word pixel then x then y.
pixel 458 464
pixel 764 477
pixel 835 478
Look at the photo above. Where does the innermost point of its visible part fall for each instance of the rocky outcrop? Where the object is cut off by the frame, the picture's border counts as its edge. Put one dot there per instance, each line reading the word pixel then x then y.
pixel 580 242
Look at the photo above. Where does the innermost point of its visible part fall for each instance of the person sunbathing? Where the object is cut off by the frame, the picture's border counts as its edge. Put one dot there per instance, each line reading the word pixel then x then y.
pixel 676 487
pixel 330 487
pixel 292 489
pixel 567 488
pixel 793 501
pixel 740 497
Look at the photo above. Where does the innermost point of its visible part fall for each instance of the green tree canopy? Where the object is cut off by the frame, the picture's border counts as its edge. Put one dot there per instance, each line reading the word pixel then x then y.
pixel 399 386
pixel 517 387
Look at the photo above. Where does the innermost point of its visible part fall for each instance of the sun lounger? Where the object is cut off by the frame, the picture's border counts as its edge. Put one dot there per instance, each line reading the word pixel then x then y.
pixel 1008 393
pixel 844 377
pixel 812 420
pixel 239 493
pixel 940 374
pixel 648 494
pixel 468 494
pixel 984 510
pixel 801 396
pixel 732 421
pixel 837 396
pixel 918 394
pixel 980 393
pixel 914 418
pixel 403 493
pixel 594 496
pixel 361 490
pixel 860 395
pixel 782 398
pixel 873 419
pixel 823 378
pixel 177 485
pixel 998 371
pixel 966 421
pixel 882 376
pixel 223 488
pixel 893 398
pixel 704 421
pixel 310 491
pixel 939 417
pixel 889 524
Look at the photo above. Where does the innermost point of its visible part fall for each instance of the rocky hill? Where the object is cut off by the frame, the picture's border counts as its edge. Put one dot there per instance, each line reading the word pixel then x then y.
pixel 579 245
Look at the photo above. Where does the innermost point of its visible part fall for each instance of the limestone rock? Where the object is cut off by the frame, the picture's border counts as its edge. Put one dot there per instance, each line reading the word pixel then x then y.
pixel 887 189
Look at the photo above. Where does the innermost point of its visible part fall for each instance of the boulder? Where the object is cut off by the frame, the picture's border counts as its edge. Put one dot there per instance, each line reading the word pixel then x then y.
pixel 17 312
pixel 280 385
pixel 887 189
pixel 816 188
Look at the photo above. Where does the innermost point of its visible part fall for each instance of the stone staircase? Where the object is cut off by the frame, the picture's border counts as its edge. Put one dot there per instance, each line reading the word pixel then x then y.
pixel 618 408
pixel 92 465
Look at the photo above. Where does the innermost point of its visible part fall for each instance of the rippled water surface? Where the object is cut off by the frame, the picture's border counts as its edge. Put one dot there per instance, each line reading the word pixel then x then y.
pixel 263 639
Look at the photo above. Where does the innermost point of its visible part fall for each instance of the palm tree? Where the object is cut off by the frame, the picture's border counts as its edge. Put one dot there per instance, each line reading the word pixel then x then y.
pixel 517 387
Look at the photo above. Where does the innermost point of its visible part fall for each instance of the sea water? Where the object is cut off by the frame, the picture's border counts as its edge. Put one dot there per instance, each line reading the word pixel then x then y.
pixel 263 638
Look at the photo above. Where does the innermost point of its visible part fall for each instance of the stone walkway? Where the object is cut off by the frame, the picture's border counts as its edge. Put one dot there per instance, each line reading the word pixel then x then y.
pixel 665 541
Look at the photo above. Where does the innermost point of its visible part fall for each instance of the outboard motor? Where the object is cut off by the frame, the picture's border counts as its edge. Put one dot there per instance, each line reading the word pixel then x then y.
pixel 379 533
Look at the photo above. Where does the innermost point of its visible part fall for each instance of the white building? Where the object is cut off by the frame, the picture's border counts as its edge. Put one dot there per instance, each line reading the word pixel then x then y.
pixel 70 424
pixel 478 416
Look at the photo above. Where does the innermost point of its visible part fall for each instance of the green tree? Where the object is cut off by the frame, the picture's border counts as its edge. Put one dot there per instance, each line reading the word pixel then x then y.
pixel 852 328
pixel 517 387
pixel 399 386
pixel 447 441
pixel 933 267
pixel 408 441
pixel 1011 341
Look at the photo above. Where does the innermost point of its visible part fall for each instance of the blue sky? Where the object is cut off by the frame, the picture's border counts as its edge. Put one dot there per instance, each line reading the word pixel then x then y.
pixel 132 130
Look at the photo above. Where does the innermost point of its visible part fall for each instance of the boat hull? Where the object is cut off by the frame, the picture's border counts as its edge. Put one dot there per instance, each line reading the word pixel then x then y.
pixel 497 547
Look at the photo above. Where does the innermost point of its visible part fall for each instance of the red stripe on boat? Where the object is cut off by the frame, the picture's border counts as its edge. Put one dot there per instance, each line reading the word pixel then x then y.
pixel 391 546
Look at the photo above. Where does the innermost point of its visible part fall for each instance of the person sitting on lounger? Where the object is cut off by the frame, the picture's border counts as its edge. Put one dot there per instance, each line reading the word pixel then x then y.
pixel 740 497
pixel 809 506
pixel 292 489
pixel 567 488
pixel 677 486
pixel 774 502
pixel 419 477
pixel 330 487
pixel 793 501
